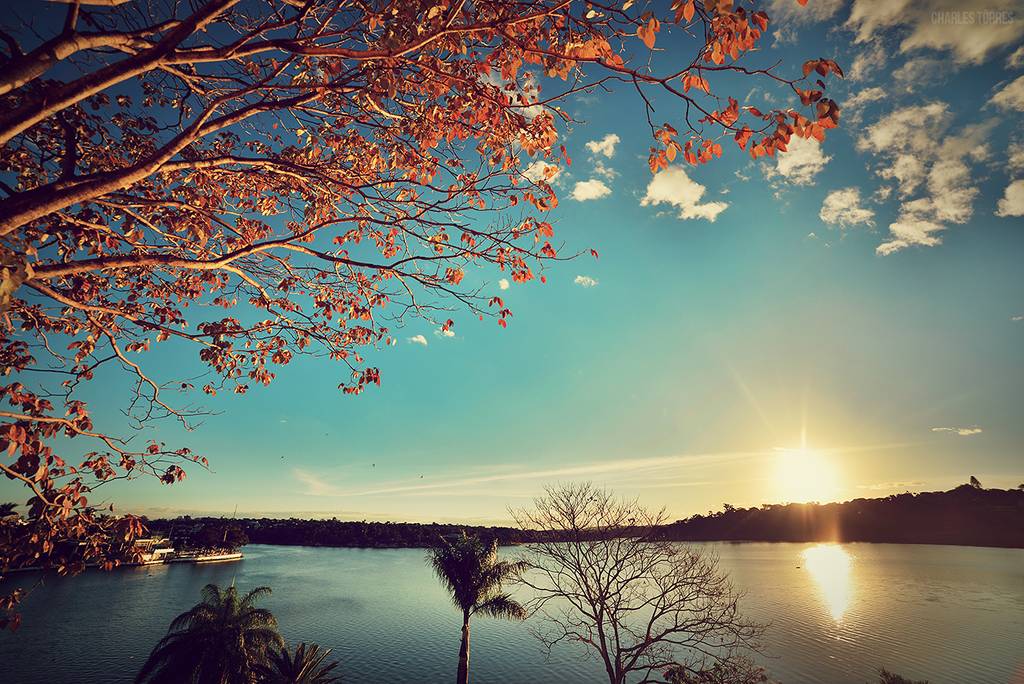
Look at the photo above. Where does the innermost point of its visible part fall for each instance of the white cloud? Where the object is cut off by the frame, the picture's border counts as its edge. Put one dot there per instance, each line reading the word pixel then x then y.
pixel 503 284
pixel 585 281
pixel 908 230
pixel 605 146
pixel 960 431
pixel 1011 96
pixel 970 141
pixel 908 170
pixel 868 17
pixel 589 190
pixel 952 196
pixel 789 12
pixel 541 170
pixel 950 200
pixel 642 469
pixel 919 152
pixel 784 34
pixel 909 128
pixel 969 29
pixel 417 339
pixel 853 104
pixel 1017 318
pixel 1016 58
pixel 801 163
pixel 441 332
pixel 315 486
pixel 867 63
pixel 602 170
pixel 1015 156
pixel 843 208
pixel 787 16
pixel 672 186
pixel 1012 203
pixel 922 71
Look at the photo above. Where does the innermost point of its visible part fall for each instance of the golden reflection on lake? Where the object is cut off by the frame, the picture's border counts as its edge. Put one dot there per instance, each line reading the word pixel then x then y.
pixel 829 565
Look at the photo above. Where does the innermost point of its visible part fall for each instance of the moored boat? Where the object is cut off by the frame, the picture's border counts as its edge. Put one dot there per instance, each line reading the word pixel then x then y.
pixel 213 556
pixel 219 557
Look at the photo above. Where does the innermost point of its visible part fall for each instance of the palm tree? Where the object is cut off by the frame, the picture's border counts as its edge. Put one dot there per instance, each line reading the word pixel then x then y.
pixel 306 666
pixel 218 641
pixel 7 509
pixel 473 575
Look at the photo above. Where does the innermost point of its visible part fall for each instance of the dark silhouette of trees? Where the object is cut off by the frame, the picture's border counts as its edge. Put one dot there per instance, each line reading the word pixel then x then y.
pixel 975 482
pixel 8 509
pixel 219 534
pixel 966 515
pixel 474 576
pixel 220 640
pixel 307 664
pixel 603 579
pixel 360 534
pixel 737 670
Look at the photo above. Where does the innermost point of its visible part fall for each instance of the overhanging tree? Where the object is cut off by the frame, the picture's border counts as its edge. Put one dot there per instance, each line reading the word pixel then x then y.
pixel 321 170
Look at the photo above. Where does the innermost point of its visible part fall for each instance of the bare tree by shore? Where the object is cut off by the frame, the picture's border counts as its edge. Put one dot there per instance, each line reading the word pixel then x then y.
pixel 644 607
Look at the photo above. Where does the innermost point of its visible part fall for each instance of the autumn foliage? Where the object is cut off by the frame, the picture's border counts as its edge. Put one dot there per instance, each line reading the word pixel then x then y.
pixel 318 171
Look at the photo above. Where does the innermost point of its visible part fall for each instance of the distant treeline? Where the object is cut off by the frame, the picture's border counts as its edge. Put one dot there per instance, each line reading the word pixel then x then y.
pixel 968 515
pixel 333 532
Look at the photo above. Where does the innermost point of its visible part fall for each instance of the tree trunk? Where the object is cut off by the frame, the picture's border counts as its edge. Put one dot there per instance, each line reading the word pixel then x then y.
pixel 463 675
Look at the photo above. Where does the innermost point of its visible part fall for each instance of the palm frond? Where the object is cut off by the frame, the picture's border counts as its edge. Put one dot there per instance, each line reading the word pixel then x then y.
pixel 211 594
pixel 253 596
pixel 305 666
pixel 457 565
pixel 502 606
pixel 501 572
pixel 220 639
pixel 473 575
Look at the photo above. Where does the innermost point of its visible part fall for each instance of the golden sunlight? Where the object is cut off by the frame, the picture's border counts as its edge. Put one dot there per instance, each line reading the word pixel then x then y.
pixel 803 475
pixel 829 565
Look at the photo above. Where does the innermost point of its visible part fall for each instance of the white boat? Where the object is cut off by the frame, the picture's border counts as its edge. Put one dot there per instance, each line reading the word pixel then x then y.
pixel 219 557
pixel 207 557
pixel 154 551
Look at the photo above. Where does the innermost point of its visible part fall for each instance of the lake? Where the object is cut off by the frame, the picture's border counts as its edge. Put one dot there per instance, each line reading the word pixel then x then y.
pixel 838 612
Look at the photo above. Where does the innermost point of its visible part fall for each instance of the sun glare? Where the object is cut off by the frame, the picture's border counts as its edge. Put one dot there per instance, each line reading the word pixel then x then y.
pixel 804 475
pixel 829 567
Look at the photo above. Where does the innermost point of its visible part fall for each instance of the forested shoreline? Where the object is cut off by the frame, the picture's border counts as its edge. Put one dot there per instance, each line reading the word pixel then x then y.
pixel 968 515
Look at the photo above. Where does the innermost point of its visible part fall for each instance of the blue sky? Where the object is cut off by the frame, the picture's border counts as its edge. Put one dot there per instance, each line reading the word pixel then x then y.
pixel 849 323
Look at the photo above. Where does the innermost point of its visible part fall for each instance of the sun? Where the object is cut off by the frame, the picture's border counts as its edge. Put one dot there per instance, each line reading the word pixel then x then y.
pixel 803 475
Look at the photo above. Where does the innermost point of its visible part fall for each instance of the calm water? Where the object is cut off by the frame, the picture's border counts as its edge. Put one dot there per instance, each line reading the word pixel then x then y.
pixel 950 614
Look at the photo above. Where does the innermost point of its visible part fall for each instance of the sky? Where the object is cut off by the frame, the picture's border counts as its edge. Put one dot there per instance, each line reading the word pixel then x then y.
pixel 844 321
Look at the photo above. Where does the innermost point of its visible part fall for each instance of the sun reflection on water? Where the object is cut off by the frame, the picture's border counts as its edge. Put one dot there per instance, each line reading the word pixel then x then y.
pixel 829 565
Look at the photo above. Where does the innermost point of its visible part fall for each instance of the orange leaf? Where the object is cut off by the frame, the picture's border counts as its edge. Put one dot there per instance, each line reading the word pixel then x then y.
pixel 646 33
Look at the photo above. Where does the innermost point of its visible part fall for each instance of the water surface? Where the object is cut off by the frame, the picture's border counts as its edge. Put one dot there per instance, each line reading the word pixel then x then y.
pixel 953 615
